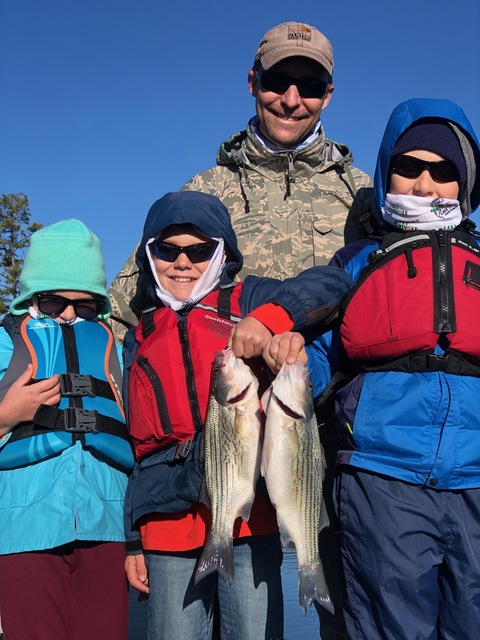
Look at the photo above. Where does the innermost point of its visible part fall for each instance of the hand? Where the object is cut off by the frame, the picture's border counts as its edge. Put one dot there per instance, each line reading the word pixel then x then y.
pixel 23 399
pixel 137 573
pixel 285 347
pixel 249 337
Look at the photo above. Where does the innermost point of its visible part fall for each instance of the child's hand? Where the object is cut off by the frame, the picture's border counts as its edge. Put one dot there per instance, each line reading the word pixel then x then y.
pixel 249 337
pixel 23 399
pixel 285 347
pixel 137 574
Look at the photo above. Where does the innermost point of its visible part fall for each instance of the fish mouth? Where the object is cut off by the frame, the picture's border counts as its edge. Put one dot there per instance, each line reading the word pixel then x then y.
pixel 288 410
pixel 240 396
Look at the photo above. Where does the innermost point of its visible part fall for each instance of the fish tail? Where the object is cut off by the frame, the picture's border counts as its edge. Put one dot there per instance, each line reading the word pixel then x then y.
pixel 217 555
pixel 312 586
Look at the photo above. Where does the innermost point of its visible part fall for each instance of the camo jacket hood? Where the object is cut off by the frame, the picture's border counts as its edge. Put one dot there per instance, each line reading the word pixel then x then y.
pixel 244 150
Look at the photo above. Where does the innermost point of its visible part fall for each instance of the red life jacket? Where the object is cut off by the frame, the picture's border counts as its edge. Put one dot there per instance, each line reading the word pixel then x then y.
pixel 419 288
pixel 169 382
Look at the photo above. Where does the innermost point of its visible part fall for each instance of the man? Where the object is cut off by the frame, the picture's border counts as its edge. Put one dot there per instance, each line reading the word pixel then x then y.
pixel 288 188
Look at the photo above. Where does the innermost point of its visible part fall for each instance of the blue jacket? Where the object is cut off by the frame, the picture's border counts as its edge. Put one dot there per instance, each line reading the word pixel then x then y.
pixel 71 496
pixel 420 427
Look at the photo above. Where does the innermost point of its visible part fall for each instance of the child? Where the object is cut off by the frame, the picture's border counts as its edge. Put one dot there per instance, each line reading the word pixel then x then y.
pixel 189 257
pixel 409 464
pixel 64 451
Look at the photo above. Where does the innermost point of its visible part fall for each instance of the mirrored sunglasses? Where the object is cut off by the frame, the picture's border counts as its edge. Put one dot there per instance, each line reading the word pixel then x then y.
pixel 410 167
pixel 280 83
pixel 53 305
pixel 200 252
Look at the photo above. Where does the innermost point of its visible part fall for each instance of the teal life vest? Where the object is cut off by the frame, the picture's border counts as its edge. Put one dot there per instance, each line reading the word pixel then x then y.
pixel 90 409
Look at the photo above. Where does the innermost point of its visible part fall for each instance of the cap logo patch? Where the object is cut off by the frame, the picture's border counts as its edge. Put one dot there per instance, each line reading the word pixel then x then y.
pixel 300 33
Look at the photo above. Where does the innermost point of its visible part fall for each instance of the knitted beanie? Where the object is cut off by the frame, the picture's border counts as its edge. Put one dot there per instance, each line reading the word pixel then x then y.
pixel 436 137
pixel 64 256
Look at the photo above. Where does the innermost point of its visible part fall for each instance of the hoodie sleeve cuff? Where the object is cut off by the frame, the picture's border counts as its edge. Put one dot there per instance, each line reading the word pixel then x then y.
pixel 274 317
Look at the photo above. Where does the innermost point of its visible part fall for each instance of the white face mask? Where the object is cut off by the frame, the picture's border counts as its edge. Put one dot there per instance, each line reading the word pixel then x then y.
pixel 412 213
pixel 208 281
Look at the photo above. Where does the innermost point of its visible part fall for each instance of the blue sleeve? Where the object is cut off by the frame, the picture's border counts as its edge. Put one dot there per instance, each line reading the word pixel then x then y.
pixel 323 360
pixel 311 298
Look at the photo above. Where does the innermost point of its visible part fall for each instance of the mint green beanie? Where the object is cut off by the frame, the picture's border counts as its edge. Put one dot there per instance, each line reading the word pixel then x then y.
pixel 64 256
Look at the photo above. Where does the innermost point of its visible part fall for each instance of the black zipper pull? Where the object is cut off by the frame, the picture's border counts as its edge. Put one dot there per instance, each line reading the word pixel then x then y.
pixel 412 269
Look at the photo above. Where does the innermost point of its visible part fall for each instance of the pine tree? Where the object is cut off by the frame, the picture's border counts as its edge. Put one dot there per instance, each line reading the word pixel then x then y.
pixel 15 231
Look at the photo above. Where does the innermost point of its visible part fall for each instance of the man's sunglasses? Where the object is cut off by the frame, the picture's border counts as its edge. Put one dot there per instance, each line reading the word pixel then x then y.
pixel 200 252
pixel 52 305
pixel 280 83
pixel 410 167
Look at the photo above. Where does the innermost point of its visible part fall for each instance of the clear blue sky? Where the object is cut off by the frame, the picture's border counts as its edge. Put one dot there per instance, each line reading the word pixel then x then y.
pixel 108 104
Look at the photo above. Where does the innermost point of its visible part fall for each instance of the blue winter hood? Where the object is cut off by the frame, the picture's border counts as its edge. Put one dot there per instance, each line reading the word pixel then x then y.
pixel 205 212
pixel 411 111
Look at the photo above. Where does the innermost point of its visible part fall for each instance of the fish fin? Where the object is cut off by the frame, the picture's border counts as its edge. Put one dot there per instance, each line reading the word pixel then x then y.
pixel 312 586
pixel 324 519
pixel 285 537
pixel 244 512
pixel 217 555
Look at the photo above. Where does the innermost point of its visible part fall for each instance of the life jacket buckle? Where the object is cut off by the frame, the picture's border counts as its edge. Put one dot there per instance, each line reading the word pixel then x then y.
pixel 182 449
pixel 76 384
pixel 79 420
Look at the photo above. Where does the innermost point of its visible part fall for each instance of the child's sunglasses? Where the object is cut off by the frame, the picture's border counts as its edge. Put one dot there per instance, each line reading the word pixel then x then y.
pixel 280 83
pixel 200 252
pixel 410 167
pixel 52 305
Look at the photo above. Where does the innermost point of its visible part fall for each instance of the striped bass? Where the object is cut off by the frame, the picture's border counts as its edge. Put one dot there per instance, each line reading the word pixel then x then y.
pixel 232 458
pixel 293 465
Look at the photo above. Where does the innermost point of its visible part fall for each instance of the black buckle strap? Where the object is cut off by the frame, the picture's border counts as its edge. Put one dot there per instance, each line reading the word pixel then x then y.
pixel 182 449
pixel 80 420
pixel 75 384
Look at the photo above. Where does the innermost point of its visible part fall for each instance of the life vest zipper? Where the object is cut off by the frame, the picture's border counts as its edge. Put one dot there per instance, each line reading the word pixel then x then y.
pixel 158 392
pixel 190 377
pixel 444 304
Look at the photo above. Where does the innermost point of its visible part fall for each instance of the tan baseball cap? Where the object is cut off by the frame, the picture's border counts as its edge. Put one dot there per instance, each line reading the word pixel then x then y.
pixel 294 39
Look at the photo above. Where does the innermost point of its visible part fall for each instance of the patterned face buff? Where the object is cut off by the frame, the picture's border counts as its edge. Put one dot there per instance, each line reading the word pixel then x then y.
pixel 412 213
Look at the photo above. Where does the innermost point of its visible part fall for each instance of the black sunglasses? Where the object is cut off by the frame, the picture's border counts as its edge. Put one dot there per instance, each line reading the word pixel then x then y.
pixel 52 305
pixel 280 83
pixel 200 252
pixel 410 167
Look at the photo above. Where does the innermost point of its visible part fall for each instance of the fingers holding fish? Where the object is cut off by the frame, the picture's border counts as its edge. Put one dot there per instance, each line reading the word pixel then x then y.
pixel 284 348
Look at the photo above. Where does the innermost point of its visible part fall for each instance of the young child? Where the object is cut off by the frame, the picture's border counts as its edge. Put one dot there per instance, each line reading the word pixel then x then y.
pixel 64 450
pixel 409 464
pixel 189 257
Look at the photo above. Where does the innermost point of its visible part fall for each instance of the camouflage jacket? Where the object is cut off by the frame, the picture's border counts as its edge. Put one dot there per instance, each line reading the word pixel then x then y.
pixel 290 210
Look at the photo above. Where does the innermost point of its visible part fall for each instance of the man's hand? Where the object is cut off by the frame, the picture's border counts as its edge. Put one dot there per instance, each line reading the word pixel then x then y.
pixel 23 399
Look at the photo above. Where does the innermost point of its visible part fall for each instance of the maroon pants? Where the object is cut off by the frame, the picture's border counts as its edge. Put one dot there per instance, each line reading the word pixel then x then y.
pixel 74 592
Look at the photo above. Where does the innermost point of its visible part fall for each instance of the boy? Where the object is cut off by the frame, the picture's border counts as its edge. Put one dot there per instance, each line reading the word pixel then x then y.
pixel 189 258
pixel 409 465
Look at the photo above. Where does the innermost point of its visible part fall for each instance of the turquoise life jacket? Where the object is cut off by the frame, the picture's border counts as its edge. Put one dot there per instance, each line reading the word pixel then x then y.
pixel 90 410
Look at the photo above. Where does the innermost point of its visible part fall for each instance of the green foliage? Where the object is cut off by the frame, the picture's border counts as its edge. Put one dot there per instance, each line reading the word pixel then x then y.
pixel 15 231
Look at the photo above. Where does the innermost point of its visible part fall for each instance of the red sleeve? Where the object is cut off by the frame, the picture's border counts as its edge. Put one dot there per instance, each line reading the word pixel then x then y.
pixel 274 317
